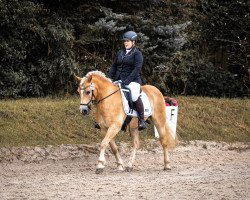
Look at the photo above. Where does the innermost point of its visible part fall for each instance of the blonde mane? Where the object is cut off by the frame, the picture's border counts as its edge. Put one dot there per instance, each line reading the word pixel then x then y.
pixel 98 73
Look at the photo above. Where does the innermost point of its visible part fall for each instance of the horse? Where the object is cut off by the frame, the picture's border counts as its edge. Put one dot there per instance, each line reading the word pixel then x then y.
pixel 95 88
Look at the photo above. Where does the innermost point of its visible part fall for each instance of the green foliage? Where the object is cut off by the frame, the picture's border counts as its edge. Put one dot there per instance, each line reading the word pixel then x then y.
pixel 190 47
pixel 188 75
pixel 35 49
pixel 224 39
pixel 158 40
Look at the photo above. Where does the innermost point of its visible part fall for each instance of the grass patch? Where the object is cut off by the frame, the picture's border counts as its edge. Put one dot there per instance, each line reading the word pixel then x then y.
pixel 55 121
pixel 203 118
pixel 43 121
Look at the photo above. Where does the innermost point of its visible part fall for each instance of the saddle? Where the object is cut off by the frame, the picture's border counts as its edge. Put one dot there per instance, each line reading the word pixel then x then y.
pixel 128 105
pixel 128 97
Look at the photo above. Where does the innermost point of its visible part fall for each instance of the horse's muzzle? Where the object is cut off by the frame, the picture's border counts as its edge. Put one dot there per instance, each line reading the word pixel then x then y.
pixel 84 110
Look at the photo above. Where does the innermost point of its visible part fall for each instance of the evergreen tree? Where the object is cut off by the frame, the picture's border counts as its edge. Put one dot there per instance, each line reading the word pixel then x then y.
pixel 35 49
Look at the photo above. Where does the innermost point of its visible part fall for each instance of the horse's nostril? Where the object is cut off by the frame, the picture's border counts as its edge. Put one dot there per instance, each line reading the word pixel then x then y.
pixel 85 112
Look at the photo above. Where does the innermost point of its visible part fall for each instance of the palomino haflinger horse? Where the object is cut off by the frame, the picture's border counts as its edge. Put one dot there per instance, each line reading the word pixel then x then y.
pixel 96 88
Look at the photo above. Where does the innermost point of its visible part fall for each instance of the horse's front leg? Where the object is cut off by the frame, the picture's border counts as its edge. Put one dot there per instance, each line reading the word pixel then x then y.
pixel 117 155
pixel 111 133
pixel 136 143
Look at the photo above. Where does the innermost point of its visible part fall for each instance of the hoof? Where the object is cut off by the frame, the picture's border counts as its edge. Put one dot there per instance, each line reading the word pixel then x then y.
pixel 120 168
pixel 128 169
pixel 167 168
pixel 99 170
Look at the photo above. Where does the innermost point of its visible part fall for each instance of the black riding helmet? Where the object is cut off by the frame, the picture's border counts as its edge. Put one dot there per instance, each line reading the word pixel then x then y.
pixel 130 35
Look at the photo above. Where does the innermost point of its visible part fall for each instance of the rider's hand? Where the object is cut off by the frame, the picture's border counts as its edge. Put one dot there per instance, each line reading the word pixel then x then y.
pixel 117 82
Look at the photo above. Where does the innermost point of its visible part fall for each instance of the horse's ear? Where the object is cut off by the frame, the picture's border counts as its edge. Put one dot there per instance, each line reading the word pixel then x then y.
pixel 77 78
pixel 89 78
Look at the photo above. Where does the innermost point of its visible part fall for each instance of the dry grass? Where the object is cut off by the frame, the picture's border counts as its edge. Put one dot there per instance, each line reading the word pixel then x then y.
pixel 43 121
pixel 46 121
pixel 214 119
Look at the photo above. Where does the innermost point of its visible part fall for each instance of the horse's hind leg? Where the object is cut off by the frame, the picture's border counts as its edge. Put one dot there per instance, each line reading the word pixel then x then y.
pixel 116 153
pixel 165 138
pixel 136 143
pixel 166 157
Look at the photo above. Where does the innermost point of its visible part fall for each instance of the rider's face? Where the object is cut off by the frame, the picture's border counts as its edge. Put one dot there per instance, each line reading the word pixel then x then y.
pixel 128 44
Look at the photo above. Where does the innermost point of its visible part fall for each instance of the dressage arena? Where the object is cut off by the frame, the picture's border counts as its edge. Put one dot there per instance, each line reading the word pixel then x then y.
pixel 200 170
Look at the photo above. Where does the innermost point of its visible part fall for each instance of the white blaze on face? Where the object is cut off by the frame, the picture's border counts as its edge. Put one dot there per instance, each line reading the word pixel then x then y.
pixel 81 87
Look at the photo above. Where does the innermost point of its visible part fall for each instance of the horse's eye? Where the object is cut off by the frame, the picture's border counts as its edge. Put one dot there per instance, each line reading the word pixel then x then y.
pixel 88 92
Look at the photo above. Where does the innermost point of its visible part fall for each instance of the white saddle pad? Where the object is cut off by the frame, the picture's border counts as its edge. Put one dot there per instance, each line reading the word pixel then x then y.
pixel 130 112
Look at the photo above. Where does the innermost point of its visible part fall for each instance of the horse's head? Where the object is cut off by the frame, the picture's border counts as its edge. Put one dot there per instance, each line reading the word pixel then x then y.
pixel 86 91
pixel 93 88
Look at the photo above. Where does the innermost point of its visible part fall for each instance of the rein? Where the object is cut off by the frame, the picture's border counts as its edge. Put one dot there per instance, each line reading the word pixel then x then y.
pixel 92 95
pixel 96 102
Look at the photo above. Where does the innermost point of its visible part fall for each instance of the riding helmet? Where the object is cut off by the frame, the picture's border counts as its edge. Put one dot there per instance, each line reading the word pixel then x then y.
pixel 130 35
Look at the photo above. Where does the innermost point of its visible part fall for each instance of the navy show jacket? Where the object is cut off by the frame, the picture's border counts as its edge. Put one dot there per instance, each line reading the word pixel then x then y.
pixel 127 67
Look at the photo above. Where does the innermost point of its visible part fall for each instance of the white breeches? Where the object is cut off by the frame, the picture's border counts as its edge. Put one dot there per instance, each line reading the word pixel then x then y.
pixel 135 90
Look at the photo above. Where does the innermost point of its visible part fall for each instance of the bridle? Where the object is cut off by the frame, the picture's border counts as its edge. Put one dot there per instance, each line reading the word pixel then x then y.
pixel 93 101
pixel 92 95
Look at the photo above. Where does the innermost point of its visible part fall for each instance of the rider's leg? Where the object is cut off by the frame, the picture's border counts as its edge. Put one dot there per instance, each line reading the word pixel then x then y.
pixel 135 89
pixel 140 110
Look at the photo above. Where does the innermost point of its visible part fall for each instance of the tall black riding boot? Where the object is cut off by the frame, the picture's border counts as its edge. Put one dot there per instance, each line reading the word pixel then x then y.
pixel 140 110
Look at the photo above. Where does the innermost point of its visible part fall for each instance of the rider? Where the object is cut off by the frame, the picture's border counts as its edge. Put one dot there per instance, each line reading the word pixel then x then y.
pixel 127 67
